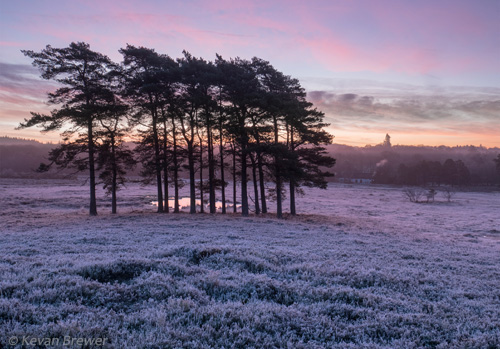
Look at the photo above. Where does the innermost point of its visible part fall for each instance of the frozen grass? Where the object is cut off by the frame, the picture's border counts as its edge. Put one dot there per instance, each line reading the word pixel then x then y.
pixel 145 280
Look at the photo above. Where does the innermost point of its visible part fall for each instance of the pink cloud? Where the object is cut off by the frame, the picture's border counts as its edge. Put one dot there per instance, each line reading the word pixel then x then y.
pixel 11 44
pixel 418 18
pixel 254 23
pixel 232 6
pixel 406 38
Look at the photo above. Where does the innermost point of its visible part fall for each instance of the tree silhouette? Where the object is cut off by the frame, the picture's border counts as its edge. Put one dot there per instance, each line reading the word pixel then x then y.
pixel 387 141
pixel 276 106
pixel 82 100
pixel 114 158
pixel 148 77
pixel 184 109
pixel 450 173
pixel 305 136
pixel 241 88
pixel 218 92
pixel 463 174
pixel 497 163
pixel 191 99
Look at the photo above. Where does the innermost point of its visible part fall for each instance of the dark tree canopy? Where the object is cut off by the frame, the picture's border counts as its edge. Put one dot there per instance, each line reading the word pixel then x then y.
pixel 81 101
pixel 240 115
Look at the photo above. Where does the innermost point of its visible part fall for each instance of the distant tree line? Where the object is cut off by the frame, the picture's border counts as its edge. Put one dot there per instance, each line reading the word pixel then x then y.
pixel 451 172
pixel 239 120
pixel 417 165
pixel 497 164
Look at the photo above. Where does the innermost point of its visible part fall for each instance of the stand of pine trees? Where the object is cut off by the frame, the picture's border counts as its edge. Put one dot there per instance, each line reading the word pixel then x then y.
pixel 216 120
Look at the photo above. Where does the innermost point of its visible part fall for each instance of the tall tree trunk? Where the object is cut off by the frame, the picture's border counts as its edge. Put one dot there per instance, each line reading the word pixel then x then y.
pixel 165 163
pixel 192 187
pixel 115 175
pixel 244 193
pixel 157 160
pixel 165 186
pixel 211 170
pixel 191 157
pixel 292 198
pixel 261 171
pixel 210 155
pixel 221 154
pixel 234 178
pixel 255 184
pixel 292 180
pixel 176 169
pixel 202 201
pixel 279 209
pixel 277 161
pixel 93 201
pixel 244 144
pixel 261 182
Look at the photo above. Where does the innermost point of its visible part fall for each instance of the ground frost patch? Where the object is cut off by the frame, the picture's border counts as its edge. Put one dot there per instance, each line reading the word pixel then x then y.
pixel 145 280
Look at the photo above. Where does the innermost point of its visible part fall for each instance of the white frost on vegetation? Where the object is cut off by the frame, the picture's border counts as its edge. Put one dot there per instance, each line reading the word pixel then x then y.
pixel 367 269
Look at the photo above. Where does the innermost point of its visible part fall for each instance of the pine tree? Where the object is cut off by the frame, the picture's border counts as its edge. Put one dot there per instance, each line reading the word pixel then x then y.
pixel 243 95
pixel 82 100
pixel 148 76
pixel 497 164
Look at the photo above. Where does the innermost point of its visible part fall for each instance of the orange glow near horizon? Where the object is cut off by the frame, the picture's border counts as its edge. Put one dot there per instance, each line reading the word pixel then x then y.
pixel 351 138
pixel 360 139
pixel 426 72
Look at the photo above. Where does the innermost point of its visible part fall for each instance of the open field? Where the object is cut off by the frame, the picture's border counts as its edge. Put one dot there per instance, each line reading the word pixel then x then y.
pixel 360 267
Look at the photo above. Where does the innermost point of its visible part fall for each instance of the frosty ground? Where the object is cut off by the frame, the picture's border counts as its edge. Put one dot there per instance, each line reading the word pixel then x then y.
pixel 359 267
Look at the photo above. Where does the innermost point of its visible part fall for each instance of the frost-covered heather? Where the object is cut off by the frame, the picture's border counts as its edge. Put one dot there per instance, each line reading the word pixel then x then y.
pixel 373 270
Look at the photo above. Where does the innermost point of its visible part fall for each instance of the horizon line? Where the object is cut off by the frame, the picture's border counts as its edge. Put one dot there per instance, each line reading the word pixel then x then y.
pixel 367 145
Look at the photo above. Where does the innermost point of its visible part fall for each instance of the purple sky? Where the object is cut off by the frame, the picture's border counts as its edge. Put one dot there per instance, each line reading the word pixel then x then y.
pixel 426 72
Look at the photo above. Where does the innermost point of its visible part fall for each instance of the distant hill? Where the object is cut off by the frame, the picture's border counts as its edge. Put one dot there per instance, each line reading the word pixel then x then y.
pixel 21 157
pixel 5 140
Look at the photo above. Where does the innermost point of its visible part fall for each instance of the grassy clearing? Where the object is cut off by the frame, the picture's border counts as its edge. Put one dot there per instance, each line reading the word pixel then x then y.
pixel 146 280
pixel 373 270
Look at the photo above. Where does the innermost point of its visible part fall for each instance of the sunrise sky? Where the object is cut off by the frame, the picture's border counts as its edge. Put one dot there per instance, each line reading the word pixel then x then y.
pixel 426 72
